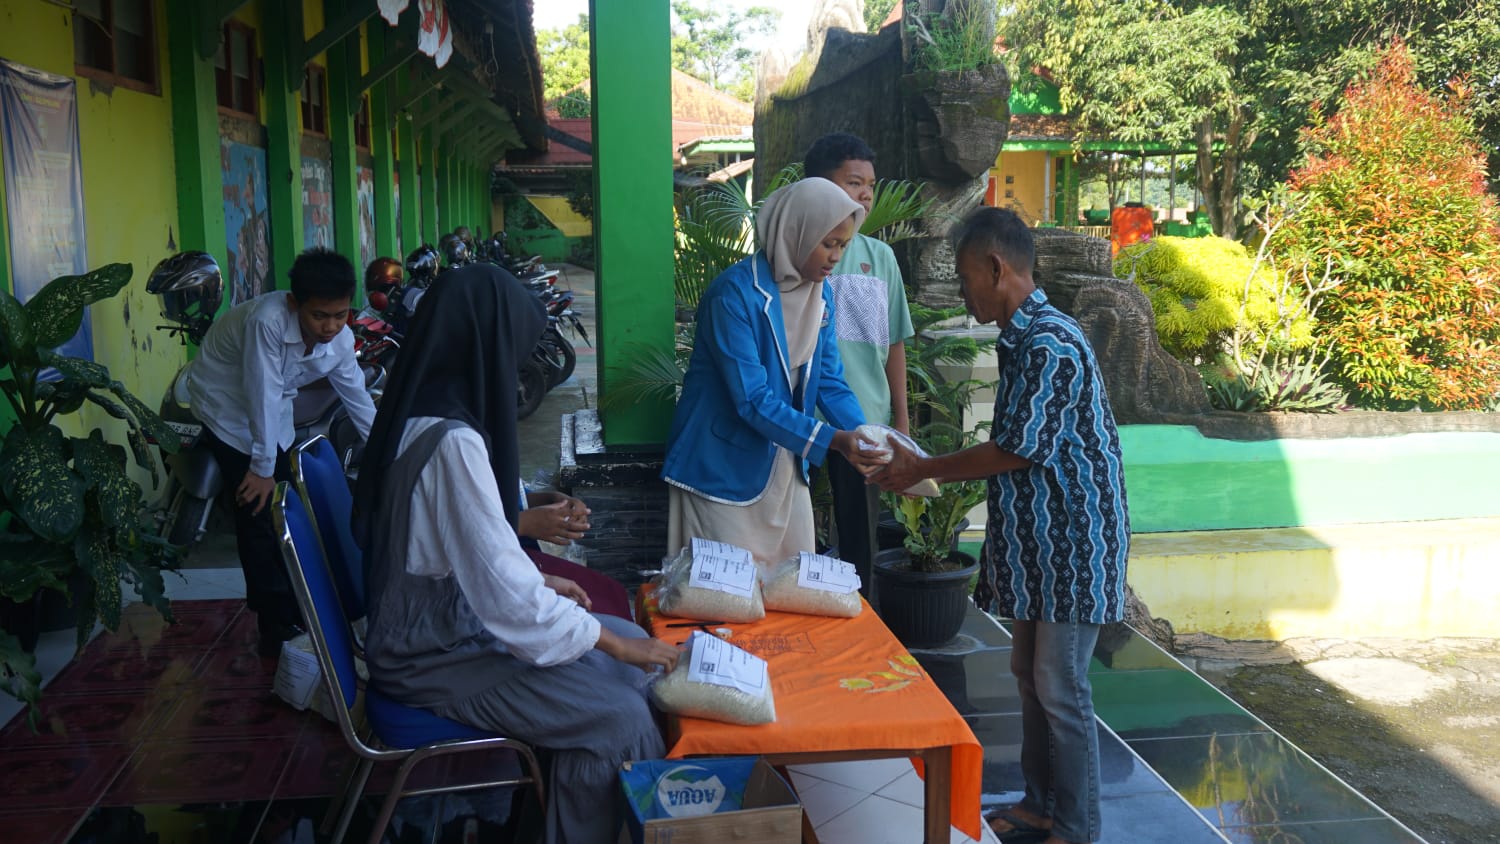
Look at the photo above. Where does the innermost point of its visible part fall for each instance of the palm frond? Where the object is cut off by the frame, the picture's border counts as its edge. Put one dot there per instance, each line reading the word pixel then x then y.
pixel 651 375
pixel 897 205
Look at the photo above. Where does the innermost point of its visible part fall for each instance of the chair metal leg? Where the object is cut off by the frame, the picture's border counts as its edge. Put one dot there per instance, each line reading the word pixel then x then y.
pixel 388 806
pixel 352 793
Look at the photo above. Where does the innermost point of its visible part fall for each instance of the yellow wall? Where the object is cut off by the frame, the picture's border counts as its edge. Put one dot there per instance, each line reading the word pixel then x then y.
pixel 130 196
pixel 1417 580
pixel 1026 192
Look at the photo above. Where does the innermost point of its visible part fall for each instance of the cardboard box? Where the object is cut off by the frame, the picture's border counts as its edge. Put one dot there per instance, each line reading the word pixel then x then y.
pixel 709 801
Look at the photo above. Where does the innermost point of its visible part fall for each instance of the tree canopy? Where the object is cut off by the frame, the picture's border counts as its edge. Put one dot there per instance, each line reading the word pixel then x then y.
pixel 565 67
pixel 715 44
pixel 1242 78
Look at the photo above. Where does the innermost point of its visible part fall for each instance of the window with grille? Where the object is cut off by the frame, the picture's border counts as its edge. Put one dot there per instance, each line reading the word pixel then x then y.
pixel 315 101
pixel 115 41
pixel 235 79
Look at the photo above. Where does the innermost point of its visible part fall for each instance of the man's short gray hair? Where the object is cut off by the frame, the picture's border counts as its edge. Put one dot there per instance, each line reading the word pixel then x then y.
pixel 997 230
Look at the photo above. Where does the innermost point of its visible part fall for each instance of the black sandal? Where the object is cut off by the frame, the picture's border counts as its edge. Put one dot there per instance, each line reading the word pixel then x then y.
pixel 1020 831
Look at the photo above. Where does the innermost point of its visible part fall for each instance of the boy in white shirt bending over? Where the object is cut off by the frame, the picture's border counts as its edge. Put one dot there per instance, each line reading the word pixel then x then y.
pixel 251 364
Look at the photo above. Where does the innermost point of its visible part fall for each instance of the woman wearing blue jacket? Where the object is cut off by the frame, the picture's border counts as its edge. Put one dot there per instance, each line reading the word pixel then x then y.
pixel 765 357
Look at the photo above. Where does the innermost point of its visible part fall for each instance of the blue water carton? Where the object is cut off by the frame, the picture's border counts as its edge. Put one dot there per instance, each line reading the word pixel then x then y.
pixel 709 801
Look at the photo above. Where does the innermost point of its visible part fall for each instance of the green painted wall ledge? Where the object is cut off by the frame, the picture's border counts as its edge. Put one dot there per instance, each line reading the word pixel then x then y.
pixel 1177 479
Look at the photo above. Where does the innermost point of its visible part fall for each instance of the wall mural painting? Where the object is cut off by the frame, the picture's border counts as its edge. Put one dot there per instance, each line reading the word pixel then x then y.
pixel 317 203
pixel 365 188
pixel 246 221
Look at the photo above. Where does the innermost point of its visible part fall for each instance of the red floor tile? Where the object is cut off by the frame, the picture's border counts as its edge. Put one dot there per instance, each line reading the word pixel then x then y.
pixel 101 671
pixel 231 665
pixel 231 713
pixel 68 777
pixel 201 772
pixel 124 718
pixel 198 624
pixel 40 827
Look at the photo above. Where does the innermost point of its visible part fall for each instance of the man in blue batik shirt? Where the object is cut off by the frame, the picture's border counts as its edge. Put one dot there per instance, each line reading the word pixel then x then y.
pixel 1058 532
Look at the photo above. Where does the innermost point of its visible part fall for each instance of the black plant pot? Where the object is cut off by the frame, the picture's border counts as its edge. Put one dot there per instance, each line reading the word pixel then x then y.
pixel 923 609
pixel 22 621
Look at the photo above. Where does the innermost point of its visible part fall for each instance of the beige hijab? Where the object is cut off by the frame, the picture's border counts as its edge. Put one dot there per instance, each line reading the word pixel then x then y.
pixel 793 221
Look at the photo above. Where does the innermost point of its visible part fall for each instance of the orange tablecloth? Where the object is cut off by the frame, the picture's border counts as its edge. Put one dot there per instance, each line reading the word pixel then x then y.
pixel 841 684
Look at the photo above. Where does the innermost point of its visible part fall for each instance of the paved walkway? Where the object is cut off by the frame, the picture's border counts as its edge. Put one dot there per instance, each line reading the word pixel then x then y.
pixel 1414 725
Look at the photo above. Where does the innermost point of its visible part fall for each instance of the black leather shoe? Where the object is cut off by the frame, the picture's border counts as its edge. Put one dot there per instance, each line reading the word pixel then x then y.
pixel 273 633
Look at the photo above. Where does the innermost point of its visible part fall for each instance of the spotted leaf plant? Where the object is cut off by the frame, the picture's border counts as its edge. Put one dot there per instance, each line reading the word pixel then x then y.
pixel 71 517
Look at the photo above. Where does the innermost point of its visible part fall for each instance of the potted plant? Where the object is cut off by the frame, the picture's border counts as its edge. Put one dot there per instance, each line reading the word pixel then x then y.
pixel 71 518
pixel 922 590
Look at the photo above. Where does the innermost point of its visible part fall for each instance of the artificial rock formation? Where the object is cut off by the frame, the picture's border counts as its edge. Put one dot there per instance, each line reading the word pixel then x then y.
pixel 1145 383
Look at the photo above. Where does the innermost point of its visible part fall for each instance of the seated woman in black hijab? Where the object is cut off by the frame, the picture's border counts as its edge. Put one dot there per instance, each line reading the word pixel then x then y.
pixel 461 621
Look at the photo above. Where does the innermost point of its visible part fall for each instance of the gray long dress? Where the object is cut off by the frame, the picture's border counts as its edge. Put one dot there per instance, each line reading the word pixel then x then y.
pixel 426 647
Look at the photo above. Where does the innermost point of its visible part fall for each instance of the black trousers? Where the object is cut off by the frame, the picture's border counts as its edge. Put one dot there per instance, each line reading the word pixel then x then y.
pixel 856 511
pixel 268 591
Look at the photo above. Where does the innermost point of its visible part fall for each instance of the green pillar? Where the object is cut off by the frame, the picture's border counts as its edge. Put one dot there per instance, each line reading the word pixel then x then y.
pixel 381 150
pixel 411 197
pixel 283 72
pixel 632 97
pixel 343 78
pixel 429 187
pixel 442 183
pixel 195 133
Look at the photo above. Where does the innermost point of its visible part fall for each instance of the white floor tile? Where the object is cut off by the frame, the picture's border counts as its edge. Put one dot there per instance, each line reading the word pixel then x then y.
pixel 825 801
pixel 868 776
pixel 908 788
pixel 875 820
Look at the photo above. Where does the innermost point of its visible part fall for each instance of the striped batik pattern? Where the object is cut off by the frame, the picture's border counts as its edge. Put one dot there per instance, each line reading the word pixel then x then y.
pixel 1059 531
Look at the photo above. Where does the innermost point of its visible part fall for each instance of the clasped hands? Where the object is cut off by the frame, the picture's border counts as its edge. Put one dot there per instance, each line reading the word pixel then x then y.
pixel 893 468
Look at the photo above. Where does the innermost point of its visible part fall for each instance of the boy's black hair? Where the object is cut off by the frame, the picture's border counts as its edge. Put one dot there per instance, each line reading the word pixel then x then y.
pixel 321 273
pixel 828 154
pixel 1000 230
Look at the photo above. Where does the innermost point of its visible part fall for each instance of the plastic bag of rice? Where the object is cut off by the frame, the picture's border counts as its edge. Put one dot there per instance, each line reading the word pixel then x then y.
pixel 711 581
pixel 812 584
pixel 883 436
pixel 717 681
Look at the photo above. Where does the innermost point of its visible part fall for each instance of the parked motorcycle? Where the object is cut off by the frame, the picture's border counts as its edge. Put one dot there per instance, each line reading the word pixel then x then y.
pixel 191 290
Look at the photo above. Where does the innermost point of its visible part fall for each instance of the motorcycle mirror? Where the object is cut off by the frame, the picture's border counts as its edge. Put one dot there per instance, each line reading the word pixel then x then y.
pixel 379 301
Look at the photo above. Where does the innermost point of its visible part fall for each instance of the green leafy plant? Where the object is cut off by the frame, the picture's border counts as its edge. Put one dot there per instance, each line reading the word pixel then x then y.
pixel 1396 206
pixel 961 38
pixel 1286 384
pixel 936 405
pixel 1202 290
pixel 73 516
pixel 931 522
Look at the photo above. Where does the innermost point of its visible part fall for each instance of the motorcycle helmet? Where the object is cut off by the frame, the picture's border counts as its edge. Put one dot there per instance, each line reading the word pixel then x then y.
pixel 191 290
pixel 422 264
pixel 455 251
pixel 382 275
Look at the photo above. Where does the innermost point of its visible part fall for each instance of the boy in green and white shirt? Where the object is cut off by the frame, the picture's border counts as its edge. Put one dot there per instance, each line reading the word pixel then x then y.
pixel 872 321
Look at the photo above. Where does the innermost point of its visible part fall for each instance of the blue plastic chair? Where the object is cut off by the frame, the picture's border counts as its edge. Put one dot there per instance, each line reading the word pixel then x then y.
pixel 319 477
pixel 395 732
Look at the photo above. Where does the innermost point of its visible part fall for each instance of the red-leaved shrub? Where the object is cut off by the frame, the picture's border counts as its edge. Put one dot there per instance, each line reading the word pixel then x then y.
pixel 1395 190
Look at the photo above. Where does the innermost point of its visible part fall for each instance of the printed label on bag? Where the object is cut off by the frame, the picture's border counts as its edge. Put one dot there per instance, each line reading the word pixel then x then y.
pixel 719 663
pixel 710 548
pixel 827 574
pixel 721 574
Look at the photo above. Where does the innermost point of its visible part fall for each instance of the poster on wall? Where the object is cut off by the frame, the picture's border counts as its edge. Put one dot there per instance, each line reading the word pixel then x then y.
pixel 396 197
pixel 247 228
pixel 317 203
pixel 365 190
pixel 43 185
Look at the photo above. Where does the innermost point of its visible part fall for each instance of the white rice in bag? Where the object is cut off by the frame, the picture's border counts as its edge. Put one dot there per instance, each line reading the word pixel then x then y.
pixel 711 581
pixel 812 585
pixel 883 436
pixel 719 682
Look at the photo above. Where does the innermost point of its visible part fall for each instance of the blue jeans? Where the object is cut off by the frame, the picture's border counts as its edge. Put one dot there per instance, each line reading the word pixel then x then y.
pixel 1059 739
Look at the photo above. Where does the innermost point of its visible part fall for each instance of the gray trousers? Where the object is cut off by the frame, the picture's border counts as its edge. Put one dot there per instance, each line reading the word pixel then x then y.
pixel 593 715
